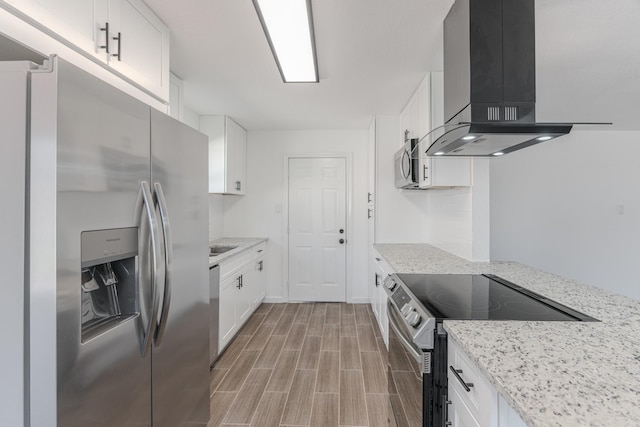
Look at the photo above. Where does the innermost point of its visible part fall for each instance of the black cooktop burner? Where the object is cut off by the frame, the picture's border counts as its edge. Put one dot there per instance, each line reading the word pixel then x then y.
pixel 483 297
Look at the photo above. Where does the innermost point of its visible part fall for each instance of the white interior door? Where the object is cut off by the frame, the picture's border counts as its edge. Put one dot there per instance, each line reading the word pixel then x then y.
pixel 317 233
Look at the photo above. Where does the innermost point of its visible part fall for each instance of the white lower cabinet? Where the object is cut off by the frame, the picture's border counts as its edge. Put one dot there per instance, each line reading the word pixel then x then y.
pixel 378 296
pixel 459 414
pixel 228 318
pixel 260 280
pixel 242 289
pixel 246 292
pixel 473 401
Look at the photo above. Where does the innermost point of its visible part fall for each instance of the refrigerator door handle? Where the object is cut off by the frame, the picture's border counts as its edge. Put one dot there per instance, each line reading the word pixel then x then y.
pixel 168 255
pixel 145 200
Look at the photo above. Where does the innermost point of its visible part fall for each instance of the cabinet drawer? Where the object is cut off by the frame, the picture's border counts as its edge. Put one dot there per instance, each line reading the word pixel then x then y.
pixel 233 264
pixel 258 250
pixel 481 398
pixel 382 265
pixel 459 414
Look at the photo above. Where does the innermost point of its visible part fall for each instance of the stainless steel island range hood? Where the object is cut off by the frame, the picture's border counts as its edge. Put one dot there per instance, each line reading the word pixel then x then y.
pixel 489 81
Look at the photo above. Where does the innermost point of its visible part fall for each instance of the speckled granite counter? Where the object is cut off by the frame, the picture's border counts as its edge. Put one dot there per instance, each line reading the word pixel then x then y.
pixel 553 373
pixel 241 243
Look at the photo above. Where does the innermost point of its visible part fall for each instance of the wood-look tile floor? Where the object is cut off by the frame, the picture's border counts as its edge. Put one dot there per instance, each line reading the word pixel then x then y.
pixel 317 365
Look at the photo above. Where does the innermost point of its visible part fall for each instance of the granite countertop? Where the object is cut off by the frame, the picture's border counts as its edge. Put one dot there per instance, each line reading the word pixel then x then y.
pixel 552 373
pixel 242 243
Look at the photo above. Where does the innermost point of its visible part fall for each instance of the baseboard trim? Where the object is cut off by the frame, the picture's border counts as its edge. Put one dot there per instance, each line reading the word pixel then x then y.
pixel 360 300
pixel 281 300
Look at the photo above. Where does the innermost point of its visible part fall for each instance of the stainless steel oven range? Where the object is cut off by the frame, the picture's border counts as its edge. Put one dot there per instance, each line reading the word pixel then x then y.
pixel 417 306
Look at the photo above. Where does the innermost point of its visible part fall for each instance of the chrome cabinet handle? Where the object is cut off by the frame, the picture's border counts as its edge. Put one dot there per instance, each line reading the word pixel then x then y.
pixel 424 172
pixel 119 54
pixel 369 213
pixel 168 257
pixel 105 46
pixel 146 200
pixel 457 373
pixel 369 197
pixel 238 185
pixel 239 279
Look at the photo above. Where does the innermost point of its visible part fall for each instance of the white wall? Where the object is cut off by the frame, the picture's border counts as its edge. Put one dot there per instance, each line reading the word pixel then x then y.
pixel 260 212
pixel 455 220
pixel 216 216
pixel 190 117
pixel 572 207
pixel 216 201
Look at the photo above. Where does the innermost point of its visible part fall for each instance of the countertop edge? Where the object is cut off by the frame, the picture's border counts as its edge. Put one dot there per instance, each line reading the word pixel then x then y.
pixel 243 243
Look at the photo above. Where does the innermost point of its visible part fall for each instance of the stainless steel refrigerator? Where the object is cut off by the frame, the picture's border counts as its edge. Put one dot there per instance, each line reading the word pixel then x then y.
pixel 106 253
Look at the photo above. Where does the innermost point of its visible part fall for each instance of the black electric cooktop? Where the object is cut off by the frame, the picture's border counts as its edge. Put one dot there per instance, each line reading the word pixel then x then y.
pixel 484 297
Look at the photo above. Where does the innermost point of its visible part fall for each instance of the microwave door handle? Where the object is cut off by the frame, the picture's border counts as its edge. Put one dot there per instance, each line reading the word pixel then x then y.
pixel 145 202
pixel 168 256
pixel 405 173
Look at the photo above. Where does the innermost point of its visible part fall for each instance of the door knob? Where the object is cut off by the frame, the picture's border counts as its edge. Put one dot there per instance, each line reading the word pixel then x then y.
pixel 341 241
pixel 341 230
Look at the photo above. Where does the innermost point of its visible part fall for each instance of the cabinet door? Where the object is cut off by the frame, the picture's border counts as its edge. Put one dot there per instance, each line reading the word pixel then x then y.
pixel 213 127
pixel 450 172
pixel 261 281
pixel 459 414
pixel 383 319
pixel 142 51
pixel 176 97
pixel 77 22
pixel 405 124
pixel 246 294
pixel 376 281
pixel 425 170
pixel 228 317
pixel 236 153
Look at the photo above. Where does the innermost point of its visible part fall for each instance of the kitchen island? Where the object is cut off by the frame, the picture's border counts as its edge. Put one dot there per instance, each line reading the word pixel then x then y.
pixel 552 373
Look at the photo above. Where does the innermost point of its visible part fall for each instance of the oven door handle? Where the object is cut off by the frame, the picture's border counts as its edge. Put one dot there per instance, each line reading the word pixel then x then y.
pixel 405 342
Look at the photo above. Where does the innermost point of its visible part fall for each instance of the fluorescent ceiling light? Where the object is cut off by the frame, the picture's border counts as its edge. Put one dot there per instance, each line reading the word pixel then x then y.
pixel 288 25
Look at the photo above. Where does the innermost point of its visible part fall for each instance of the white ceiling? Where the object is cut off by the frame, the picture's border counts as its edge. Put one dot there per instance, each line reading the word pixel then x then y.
pixel 372 55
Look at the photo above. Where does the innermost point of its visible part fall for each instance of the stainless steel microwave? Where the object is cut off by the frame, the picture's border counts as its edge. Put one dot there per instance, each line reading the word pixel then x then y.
pixel 406 162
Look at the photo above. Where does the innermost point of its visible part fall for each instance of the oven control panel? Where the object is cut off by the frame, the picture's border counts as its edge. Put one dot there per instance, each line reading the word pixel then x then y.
pixel 417 321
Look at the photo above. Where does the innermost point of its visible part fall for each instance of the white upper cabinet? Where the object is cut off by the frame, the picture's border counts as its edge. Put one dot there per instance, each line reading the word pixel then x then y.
pixel 76 22
pixel 227 154
pixel 409 119
pixel 176 97
pixel 423 113
pixel 139 45
pixel 124 35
